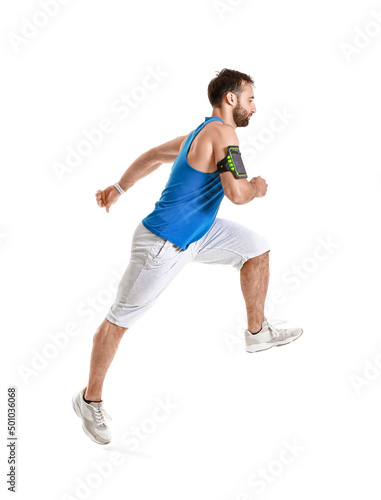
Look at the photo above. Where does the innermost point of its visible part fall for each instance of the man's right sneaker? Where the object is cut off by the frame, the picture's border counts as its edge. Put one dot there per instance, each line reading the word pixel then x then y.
pixel 93 417
pixel 269 336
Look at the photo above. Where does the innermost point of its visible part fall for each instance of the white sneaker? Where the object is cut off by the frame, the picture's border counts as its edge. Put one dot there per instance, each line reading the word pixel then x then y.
pixel 93 417
pixel 269 336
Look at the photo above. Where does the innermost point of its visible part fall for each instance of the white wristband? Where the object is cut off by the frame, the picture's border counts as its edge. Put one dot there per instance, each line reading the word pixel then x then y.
pixel 121 191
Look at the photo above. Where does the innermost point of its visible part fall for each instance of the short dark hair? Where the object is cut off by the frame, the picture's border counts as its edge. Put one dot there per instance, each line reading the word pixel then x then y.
pixel 227 80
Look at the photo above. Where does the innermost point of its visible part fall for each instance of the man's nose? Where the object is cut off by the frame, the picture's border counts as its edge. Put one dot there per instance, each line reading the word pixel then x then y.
pixel 254 108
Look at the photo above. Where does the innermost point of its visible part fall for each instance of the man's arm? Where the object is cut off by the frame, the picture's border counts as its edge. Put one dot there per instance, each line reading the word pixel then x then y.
pixel 239 191
pixel 151 160
pixel 142 166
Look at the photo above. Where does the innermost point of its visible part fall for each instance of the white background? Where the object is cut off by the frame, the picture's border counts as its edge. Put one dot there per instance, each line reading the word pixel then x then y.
pixel 236 413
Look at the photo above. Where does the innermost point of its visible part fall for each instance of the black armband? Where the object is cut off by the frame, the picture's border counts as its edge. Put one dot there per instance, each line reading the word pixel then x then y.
pixel 233 163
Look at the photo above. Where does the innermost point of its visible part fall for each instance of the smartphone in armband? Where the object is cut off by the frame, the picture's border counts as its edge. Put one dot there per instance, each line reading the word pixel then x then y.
pixel 233 163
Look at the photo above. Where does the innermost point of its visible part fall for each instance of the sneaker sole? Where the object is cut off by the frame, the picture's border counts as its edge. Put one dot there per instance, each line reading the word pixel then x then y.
pixel 78 412
pixel 284 342
pixel 259 349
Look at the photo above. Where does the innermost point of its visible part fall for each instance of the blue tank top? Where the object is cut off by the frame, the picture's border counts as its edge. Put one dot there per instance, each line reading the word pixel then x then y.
pixel 189 202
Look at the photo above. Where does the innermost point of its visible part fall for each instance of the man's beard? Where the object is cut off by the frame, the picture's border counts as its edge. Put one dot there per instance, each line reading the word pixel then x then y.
pixel 240 116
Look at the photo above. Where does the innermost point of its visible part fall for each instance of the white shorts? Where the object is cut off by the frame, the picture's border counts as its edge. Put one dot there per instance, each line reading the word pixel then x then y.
pixel 155 262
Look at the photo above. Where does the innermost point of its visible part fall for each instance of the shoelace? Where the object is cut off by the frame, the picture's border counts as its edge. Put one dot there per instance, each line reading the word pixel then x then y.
pixel 101 415
pixel 274 322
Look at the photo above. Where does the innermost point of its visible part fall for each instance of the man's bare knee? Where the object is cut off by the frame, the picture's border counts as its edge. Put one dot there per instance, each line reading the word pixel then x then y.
pixel 108 328
pixel 263 256
pixel 259 258
pixel 114 327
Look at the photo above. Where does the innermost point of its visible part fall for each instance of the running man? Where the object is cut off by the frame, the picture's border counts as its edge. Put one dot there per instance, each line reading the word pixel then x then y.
pixel 183 227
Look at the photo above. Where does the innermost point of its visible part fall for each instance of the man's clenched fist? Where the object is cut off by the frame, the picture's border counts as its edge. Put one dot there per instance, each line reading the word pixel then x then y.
pixel 107 197
pixel 260 185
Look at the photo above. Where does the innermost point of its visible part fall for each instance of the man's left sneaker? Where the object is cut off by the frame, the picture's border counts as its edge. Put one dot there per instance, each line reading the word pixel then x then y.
pixel 269 336
pixel 93 416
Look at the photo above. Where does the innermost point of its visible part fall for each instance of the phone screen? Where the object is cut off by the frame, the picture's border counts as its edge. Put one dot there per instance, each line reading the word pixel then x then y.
pixel 237 158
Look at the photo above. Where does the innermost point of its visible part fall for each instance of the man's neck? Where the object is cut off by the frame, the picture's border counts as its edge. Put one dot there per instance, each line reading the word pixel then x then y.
pixel 225 117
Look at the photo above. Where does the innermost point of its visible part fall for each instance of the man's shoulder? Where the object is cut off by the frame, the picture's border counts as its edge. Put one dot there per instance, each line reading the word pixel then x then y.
pixel 221 132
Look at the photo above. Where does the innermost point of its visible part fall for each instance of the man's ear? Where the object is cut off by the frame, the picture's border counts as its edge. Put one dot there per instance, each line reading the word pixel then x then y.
pixel 231 98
